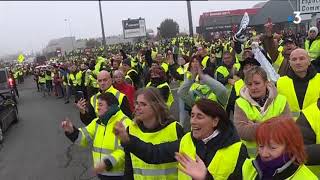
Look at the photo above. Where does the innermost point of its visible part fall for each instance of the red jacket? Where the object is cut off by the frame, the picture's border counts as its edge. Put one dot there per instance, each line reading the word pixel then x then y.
pixel 128 90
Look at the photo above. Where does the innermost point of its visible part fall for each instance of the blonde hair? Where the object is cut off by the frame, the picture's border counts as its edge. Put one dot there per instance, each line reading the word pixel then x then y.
pixel 255 70
pixel 157 104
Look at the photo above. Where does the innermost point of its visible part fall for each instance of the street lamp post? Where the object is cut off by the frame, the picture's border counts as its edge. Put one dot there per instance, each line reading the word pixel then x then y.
pixel 69 23
pixel 102 27
pixel 190 18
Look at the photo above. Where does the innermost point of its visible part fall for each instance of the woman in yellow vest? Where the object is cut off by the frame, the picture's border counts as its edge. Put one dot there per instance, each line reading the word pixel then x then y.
pixel 258 102
pixel 281 153
pixel 213 139
pixel 154 125
pixel 108 155
pixel 309 123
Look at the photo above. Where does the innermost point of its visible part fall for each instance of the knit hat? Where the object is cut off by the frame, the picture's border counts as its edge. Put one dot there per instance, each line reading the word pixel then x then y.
pixel 314 29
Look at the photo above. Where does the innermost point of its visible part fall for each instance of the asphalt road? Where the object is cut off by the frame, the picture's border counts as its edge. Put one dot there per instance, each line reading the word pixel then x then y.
pixel 36 148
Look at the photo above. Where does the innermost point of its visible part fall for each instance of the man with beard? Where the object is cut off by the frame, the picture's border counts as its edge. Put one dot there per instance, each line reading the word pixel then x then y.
pixel 279 57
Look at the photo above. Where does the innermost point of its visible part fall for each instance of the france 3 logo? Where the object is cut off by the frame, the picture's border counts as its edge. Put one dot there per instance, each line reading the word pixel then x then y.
pixel 296 19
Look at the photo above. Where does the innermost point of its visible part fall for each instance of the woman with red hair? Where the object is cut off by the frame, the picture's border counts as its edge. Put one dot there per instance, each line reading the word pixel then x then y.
pixel 281 153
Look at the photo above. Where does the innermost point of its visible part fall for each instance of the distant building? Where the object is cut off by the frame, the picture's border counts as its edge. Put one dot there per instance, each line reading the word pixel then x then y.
pixel 280 12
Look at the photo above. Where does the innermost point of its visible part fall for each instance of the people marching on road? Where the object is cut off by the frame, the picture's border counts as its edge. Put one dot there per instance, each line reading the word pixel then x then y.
pixel 195 104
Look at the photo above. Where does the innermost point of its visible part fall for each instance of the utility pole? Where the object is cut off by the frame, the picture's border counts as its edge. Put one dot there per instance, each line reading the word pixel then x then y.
pixel 102 27
pixel 190 18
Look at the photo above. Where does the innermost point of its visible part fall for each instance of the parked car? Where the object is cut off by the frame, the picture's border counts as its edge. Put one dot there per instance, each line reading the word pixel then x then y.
pixel 7 84
pixel 8 114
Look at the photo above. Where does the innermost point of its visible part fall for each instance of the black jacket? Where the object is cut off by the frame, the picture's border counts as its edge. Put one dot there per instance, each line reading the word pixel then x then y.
pixel 90 114
pixel 309 138
pixel 165 152
pixel 128 164
pixel 301 84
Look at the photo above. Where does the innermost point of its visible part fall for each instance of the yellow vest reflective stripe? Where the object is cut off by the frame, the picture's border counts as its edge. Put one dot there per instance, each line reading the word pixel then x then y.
pixel 253 114
pixel 285 87
pixel 105 145
pixel 238 85
pixel 249 172
pixel 204 61
pixel 314 50
pixel 276 65
pixel 79 78
pixel 115 92
pixel 93 81
pixel 165 67
pixel 170 98
pixel 48 77
pixel 42 80
pixel 202 91
pixel 222 164
pixel 128 77
pixel 142 170
pixel 312 114
pixel 73 80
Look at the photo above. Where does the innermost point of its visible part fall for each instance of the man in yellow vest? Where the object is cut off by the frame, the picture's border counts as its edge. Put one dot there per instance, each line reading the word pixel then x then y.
pixel 132 76
pixel 280 58
pixel 301 85
pixel 108 155
pixel 89 111
pixel 309 123
pixel 312 45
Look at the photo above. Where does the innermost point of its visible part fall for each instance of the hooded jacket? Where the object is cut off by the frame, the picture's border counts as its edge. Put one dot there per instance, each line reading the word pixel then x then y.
pixel 247 128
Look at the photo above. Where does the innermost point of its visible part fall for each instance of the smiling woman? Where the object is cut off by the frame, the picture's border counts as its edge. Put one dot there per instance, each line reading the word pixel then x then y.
pixel 258 101
pixel 281 152
pixel 213 141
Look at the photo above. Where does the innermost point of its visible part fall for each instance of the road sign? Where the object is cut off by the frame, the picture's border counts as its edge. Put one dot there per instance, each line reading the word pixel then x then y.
pixel 134 28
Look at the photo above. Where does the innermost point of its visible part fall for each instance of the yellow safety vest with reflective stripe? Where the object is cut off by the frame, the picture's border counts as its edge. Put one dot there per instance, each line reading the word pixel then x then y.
pixel 276 64
pixel 93 81
pixel 238 85
pixel 72 79
pixel 42 80
pixel 170 98
pixel 249 172
pixel 128 77
pixel 79 78
pixel 225 72
pixel 48 77
pixel 285 87
pixel 202 91
pixel 115 92
pixel 165 67
pixel 104 143
pixel 144 171
pixel 314 50
pixel 253 114
pixel 182 70
pixel 312 114
pixel 204 61
pixel 222 164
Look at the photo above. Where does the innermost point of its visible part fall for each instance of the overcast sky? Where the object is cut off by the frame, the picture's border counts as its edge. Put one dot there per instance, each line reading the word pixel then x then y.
pixel 27 26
